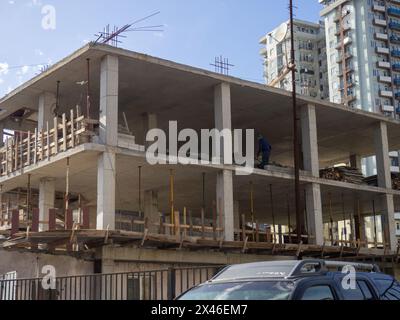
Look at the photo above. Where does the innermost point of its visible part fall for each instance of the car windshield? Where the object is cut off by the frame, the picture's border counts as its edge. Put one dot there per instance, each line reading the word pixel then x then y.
pixel 249 290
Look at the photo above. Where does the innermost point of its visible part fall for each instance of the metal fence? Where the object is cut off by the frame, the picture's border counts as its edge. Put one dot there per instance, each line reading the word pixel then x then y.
pixel 163 284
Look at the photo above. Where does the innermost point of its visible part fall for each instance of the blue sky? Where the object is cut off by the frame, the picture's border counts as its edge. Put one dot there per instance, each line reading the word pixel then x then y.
pixel 195 31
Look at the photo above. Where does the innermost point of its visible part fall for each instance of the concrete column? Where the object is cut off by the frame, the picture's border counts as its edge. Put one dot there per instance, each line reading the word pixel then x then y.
pixel 46 200
pixel 108 131
pixel 314 213
pixel 356 162
pixel 309 139
pixel 225 202
pixel 108 134
pixel 106 191
pixel 150 121
pixel 223 120
pixel 47 103
pixel 151 211
pixel 311 163
pixel 385 181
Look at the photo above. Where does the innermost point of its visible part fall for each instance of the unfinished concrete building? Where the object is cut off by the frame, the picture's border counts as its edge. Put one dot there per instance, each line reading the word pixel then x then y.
pixel 78 193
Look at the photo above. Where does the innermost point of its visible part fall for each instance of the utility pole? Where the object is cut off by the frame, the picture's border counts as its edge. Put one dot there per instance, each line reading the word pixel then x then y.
pixel 296 146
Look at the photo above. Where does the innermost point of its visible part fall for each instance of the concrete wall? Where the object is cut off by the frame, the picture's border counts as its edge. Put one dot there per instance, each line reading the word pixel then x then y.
pixel 29 265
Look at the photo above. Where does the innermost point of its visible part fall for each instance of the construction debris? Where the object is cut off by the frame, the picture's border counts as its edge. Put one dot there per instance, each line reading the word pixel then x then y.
pixel 343 174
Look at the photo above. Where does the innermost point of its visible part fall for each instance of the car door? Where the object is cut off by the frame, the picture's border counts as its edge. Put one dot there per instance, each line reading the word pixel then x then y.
pixel 316 289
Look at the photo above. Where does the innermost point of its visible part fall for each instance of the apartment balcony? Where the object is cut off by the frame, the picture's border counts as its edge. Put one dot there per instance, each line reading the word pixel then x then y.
pixel 386 93
pixel 396 67
pixel 380 22
pixel 382 50
pixel 30 148
pixel 394 25
pixel 394 39
pixel 264 52
pixel 381 36
pixel 393 11
pixel 351 97
pixel 383 64
pixel 345 29
pixel 379 8
pixel 387 108
pixel 385 79
pixel 396 53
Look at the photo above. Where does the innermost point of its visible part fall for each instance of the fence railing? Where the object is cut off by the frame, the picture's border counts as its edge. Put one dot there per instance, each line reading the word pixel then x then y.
pixel 165 284
pixel 27 148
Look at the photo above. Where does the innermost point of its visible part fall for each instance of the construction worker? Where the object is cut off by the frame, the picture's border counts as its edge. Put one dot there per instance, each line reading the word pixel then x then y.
pixel 264 149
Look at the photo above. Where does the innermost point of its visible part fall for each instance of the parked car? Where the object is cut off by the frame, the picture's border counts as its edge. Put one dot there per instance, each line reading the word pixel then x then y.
pixel 297 280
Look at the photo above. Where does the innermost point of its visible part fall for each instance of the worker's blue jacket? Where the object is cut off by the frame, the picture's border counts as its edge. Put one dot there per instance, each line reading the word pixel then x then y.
pixel 263 145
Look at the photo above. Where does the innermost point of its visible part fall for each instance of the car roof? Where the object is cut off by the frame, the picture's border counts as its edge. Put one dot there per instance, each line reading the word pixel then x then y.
pixel 288 270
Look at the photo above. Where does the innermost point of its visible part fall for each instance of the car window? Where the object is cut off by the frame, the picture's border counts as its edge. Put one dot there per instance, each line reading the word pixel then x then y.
pixel 353 294
pixel 366 290
pixel 248 290
pixel 322 292
pixel 388 289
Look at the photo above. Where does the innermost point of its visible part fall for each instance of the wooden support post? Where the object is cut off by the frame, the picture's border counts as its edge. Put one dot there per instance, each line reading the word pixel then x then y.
pixel 184 222
pixel 14 222
pixel 64 131
pixel 177 224
pixel 190 224
pixel 258 233
pixel 72 129
pixel 85 218
pixel 55 135
pixel 202 224
pixel 35 146
pixel 48 141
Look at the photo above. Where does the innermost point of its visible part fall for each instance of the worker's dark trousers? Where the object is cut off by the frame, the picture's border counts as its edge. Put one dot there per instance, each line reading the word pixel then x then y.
pixel 265 160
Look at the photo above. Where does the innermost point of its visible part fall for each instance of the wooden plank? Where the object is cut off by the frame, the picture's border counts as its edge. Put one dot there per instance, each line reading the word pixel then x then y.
pixel 48 141
pixel 55 135
pixel 35 147
pixel 72 129
pixel 64 131
pixel 243 227
pixel 177 224
pixel 41 146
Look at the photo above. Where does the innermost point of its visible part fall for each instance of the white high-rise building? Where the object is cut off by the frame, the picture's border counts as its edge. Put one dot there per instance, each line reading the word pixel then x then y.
pixel 363 53
pixel 311 64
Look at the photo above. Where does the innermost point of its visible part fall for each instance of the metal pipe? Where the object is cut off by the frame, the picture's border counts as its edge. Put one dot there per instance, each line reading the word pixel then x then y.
pixel 299 224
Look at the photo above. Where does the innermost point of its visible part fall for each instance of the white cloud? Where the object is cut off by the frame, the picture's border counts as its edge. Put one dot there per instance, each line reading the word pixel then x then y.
pixel 1 81
pixel 11 2
pixel 3 68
